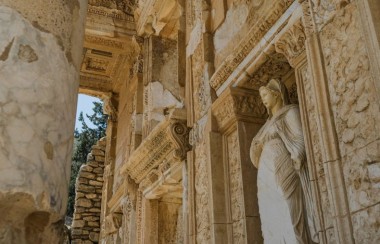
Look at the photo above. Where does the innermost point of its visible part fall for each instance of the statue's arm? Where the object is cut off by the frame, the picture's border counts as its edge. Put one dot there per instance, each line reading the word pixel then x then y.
pixel 292 135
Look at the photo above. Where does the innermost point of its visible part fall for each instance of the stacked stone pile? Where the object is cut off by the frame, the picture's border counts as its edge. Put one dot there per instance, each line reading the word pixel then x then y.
pixel 86 224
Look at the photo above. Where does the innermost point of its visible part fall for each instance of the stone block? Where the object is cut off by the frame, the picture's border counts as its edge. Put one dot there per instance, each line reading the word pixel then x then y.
pixel 102 142
pixel 94 236
pixel 94 210
pixel 93 164
pixel 91 218
pixel 97 152
pixel 79 210
pixel 85 188
pixel 83 202
pixel 82 180
pixel 78 223
pixel 98 170
pixel 87 175
pixel 95 183
pixel 91 196
pixel 93 224
pixel 99 158
pixel 97 147
pixel 86 168
pixel 77 216
pixel 76 232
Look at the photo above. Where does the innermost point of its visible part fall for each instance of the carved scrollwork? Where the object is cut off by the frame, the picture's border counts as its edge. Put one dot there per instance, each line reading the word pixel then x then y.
pixel 180 134
pixel 168 142
pixel 238 103
pixel 292 43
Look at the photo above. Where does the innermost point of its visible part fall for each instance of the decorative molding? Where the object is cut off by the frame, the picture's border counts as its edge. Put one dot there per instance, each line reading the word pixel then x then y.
pixel 292 43
pixel 109 13
pixel 168 141
pixel 256 33
pixel 105 42
pixel 276 67
pixel 238 104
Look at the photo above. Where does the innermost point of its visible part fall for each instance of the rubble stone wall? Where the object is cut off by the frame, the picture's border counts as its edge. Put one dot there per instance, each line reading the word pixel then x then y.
pixel 86 223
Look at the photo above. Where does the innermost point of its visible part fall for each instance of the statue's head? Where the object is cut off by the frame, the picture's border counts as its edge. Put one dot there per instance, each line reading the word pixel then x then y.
pixel 273 93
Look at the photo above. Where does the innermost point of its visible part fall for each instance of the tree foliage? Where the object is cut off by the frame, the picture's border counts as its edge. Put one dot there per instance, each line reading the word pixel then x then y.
pixel 83 141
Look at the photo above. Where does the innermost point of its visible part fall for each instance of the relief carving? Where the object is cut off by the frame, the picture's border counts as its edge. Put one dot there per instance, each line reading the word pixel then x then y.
pixel 292 43
pixel 276 67
pixel 236 189
pixel 238 103
pixel 201 195
pixel 248 43
pixel 168 140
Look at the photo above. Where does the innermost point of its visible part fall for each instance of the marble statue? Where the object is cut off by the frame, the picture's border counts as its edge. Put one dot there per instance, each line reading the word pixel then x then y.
pixel 278 151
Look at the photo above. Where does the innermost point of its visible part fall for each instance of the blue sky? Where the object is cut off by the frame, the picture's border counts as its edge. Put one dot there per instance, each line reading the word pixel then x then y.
pixel 85 105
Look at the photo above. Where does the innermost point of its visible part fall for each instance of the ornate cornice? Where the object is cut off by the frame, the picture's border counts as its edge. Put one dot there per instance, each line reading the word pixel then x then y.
pixel 238 104
pixel 169 140
pixel 256 33
pixel 292 43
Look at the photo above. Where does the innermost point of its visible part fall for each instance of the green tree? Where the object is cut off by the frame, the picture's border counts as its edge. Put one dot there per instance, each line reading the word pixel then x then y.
pixel 83 141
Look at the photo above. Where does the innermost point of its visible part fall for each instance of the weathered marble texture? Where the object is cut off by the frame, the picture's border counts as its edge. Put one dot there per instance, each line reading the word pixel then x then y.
pixel 38 94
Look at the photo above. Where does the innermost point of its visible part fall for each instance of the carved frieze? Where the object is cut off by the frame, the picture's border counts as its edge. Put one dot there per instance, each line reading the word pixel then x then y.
pixel 256 33
pixel 292 43
pixel 236 103
pixel 276 67
pixel 169 140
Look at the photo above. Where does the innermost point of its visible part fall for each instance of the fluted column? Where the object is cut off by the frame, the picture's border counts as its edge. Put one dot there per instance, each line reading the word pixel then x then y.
pixel 40 53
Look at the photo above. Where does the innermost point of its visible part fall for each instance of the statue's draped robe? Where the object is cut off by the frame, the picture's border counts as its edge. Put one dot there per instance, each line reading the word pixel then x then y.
pixel 283 191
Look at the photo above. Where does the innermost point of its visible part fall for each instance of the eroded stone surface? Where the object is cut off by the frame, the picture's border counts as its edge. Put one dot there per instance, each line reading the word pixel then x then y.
pixel 37 113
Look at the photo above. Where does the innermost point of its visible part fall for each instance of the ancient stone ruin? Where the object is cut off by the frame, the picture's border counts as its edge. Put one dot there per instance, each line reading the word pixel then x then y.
pixel 88 198
pixel 223 115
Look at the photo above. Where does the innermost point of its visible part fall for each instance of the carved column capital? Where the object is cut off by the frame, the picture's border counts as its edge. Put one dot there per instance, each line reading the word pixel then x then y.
pixel 238 104
pixel 292 43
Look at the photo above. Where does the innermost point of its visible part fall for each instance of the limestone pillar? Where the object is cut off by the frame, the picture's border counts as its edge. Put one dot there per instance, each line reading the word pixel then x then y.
pixel 40 52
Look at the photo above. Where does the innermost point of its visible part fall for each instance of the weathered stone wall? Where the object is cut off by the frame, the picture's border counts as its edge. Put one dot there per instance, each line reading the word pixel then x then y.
pixel 355 106
pixel 40 53
pixel 89 184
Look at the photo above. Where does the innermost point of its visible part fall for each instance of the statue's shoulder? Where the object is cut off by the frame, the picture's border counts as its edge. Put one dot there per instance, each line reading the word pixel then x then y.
pixel 293 113
pixel 292 109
